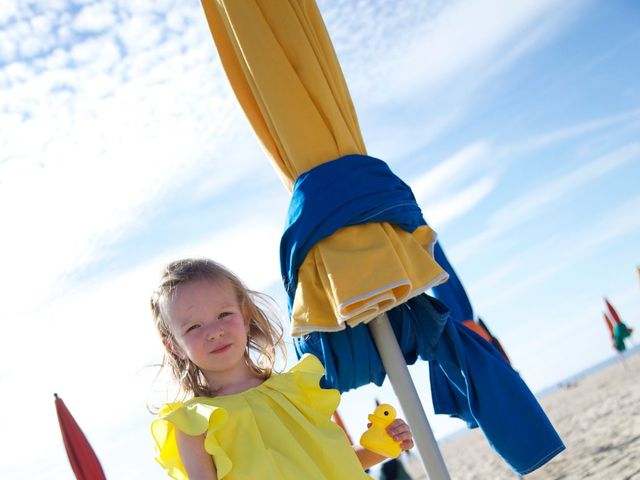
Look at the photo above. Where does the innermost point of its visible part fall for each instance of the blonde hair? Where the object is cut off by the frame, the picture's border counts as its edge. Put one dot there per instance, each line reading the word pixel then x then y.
pixel 265 335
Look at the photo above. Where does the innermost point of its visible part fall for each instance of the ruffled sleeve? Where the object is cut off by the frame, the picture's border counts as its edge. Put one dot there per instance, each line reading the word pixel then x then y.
pixel 307 374
pixel 196 417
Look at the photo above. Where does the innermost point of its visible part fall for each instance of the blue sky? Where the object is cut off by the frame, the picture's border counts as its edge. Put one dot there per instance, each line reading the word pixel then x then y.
pixel 517 124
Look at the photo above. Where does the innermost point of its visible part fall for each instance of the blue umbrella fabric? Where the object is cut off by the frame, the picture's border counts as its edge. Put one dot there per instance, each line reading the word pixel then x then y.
pixel 451 292
pixel 454 296
pixel 488 392
pixel 446 398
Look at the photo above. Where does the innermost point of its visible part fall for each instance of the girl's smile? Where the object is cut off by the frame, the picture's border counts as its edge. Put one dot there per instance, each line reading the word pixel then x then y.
pixel 221 349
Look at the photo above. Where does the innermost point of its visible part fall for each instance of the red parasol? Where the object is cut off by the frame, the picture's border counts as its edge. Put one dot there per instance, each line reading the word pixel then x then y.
pixel 338 420
pixel 613 314
pixel 83 460
pixel 479 329
pixel 619 330
pixel 609 324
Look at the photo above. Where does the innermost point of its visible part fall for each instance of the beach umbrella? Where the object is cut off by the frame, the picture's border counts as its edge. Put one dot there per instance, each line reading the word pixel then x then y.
pixel 612 312
pixel 83 460
pixel 609 323
pixel 479 329
pixel 338 420
pixel 355 244
pixel 618 329
pixel 494 341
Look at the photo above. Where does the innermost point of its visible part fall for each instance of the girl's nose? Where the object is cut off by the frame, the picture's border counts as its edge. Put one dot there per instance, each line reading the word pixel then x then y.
pixel 216 333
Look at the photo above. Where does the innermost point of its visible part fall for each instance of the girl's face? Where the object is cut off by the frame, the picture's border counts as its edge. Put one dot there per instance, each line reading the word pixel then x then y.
pixel 207 323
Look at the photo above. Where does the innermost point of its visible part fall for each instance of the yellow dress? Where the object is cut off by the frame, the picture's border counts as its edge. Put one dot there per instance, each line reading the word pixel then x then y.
pixel 279 430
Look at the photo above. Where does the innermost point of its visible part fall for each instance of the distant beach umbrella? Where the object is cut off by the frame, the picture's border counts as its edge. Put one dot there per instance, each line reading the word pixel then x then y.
pixel 612 312
pixel 619 330
pixel 83 460
pixel 356 247
pixel 609 323
pixel 620 333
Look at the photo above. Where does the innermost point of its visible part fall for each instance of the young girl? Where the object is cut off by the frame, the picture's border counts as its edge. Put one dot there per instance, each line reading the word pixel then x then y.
pixel 240 421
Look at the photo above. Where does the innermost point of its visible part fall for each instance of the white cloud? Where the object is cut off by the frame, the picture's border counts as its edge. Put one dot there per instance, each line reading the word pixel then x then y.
pixel 86 147
pixel 100 52
pixel 442 53
pixel 463 37
pixel 8 49
pixel 537 200
pixel 42 23
pixel 95 17
pixel 559 252
pixel 139 33
pixel 453 170
pixel 563 134
pixel 455 205
pixel 616 223
pixel 8 10
pixel 247 248
pixel 452 187
pixel 394 139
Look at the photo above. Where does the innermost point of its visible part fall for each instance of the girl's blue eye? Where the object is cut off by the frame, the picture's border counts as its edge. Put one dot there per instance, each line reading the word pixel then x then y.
pixel 192 327
pixel 224 314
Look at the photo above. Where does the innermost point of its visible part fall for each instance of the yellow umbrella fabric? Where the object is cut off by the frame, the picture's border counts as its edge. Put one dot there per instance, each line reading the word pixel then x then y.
pixel 283 69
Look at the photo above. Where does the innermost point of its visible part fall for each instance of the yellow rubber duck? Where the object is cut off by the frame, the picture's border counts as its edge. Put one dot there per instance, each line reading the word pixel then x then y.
pixel 376 437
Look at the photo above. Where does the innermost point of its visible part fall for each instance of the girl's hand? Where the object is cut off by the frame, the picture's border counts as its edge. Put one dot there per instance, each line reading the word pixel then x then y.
pixel 400 432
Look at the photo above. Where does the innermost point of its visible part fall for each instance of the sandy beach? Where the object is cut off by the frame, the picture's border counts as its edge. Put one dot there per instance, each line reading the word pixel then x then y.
pixel 598 418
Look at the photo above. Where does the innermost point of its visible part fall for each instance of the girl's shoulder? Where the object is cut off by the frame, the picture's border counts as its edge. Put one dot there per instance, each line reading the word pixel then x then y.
pixel 299 385
pixel 193 416
pixel 308 363
pixel 304 376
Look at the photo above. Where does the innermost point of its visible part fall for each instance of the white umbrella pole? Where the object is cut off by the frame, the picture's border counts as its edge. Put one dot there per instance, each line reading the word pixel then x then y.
pixel 405 390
